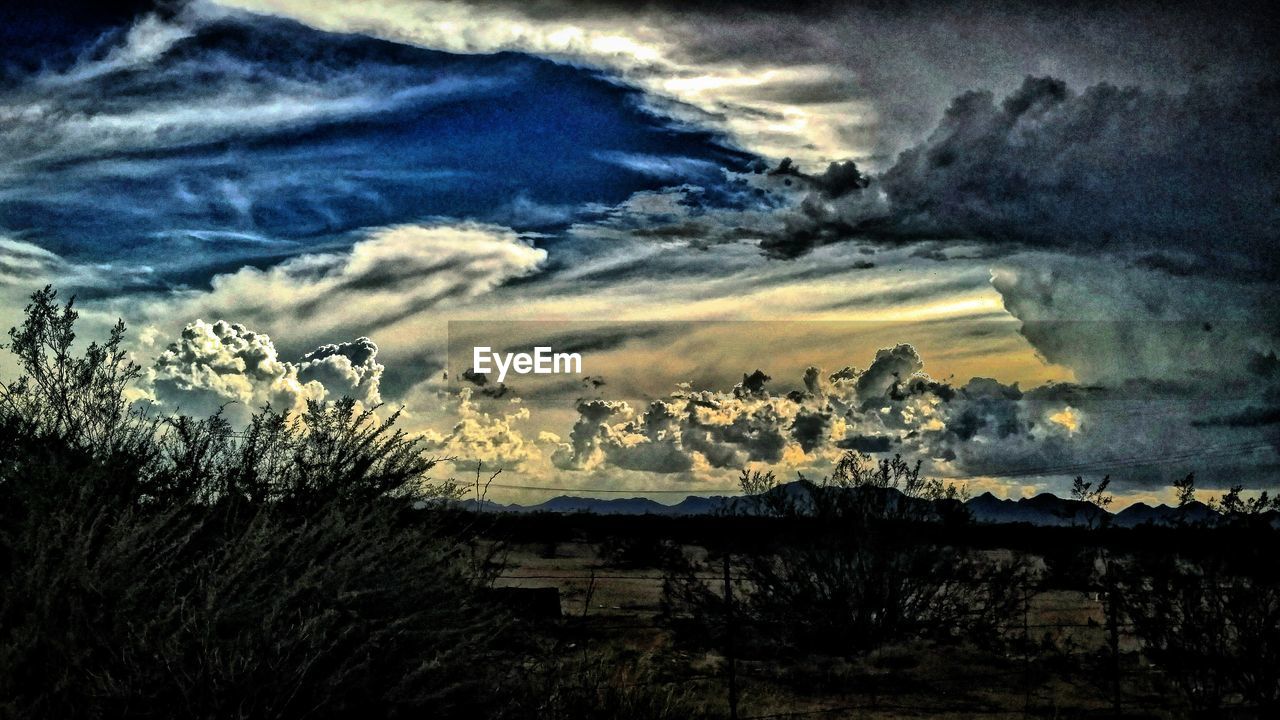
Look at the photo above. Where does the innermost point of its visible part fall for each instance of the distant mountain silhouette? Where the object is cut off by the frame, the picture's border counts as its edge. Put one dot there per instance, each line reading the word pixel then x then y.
pixel 691 505
pixel 1044 509
pixel 698 505
pixel 1193 513
pixel 613 506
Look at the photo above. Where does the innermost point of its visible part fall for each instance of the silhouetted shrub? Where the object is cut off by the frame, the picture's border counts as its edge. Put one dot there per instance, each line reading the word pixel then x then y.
pixel 844 573
pixel 172 567
pixel 1211 625
pixel 636 551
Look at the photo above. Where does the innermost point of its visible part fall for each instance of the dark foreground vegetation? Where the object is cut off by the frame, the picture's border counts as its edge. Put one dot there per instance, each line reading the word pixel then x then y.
pixel 178 568
pixel 841 599
pixel 307 566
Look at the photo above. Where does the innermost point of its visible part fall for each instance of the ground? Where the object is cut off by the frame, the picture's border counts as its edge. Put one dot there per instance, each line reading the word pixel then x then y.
pixel 617 611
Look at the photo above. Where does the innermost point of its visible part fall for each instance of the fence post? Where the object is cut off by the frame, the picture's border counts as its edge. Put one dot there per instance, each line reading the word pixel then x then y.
pixel 1113 638
pixel 728 640
pixel 1026 650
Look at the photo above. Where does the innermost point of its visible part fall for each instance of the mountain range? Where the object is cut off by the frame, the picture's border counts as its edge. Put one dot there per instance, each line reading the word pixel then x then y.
pixel 1044 509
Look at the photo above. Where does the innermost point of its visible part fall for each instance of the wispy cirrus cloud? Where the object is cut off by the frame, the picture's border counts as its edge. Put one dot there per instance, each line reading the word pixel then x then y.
pixel 172 140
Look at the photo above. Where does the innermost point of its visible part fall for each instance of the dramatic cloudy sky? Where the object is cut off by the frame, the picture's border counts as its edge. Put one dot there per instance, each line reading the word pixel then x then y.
pixel 1019 242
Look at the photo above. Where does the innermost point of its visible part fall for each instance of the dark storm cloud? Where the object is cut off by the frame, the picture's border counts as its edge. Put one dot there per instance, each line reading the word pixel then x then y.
pixel 987 404
pixel 1133 231
pixel 481 382
pixel 1124 171
pixel 1108 168
pixel 475 378
pixel 838 180
pixel 752 384
pixel 810 428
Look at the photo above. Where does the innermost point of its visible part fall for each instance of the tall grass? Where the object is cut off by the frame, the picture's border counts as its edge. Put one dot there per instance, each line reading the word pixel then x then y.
pixel 172 567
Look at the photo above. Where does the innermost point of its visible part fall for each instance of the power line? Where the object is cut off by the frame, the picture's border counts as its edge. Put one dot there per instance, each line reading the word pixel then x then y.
pixel 1208 451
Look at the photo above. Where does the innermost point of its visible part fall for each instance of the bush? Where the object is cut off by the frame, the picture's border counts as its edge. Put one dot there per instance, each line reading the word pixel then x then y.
pixel 167 615
pixel 1212 626
pixel 636 551
pixel 172 567
pixel 843 574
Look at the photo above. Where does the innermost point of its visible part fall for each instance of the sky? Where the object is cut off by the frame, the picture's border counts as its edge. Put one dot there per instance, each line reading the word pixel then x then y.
pixel 1014 241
